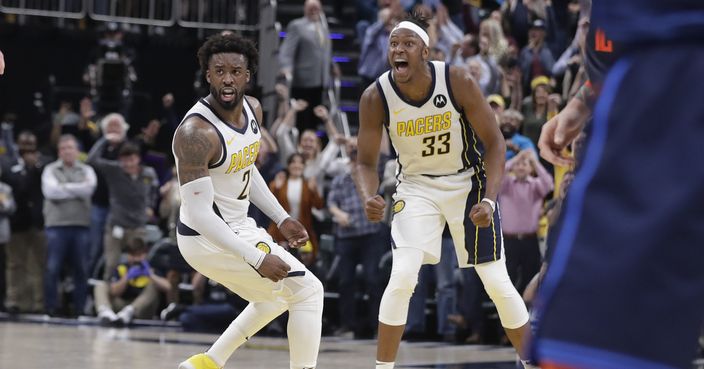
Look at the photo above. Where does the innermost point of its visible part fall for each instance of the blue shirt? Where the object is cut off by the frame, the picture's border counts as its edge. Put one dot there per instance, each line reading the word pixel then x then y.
pixel 522 142
pixel 642 21
pixel 373 61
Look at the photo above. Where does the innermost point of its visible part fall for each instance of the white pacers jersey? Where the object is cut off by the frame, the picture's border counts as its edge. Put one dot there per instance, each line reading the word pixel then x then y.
pixel 431 137
pixel 232 173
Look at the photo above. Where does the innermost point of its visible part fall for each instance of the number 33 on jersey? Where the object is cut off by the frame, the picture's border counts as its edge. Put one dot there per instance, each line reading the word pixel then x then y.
pixel 432 136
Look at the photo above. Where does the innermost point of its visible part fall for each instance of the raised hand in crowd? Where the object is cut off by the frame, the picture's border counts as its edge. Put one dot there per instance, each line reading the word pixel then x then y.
pixel 279 179
pixel 282 91
pixel 321 112
pixel 554 101
pixel 299 105
pixel 86 110
pixel 511 146
pixel 167 100
pixel 312 184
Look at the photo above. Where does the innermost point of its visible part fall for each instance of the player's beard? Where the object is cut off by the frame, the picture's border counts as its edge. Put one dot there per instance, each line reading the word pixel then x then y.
pixel 227 105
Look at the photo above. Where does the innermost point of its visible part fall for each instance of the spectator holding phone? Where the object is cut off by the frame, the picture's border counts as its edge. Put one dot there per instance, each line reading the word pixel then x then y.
pixel 133 289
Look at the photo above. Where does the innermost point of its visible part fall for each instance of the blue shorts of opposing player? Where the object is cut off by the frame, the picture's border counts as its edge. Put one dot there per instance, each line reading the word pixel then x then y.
pixel 625 288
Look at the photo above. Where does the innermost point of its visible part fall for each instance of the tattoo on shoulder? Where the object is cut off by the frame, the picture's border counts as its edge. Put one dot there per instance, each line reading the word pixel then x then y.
pixel 193 149
pixel 193 146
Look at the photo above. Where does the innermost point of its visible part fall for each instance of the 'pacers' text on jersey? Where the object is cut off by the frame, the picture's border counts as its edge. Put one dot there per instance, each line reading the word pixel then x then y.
pixel 431 137
pixel 232 173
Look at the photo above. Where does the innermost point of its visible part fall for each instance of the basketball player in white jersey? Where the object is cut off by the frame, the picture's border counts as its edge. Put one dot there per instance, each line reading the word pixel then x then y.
pixel 451 160
pixel 216 147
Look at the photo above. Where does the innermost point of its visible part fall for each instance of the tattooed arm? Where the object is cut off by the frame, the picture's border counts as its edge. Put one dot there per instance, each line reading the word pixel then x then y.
pixel 196 144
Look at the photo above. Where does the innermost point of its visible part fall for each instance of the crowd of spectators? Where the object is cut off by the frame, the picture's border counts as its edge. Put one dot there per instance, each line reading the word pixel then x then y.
pixel 101 204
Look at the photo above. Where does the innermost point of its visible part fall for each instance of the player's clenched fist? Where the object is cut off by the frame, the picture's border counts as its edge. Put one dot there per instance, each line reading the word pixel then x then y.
pixel 274 268
pixel 294 231
pixel 374 207
pixel 481 214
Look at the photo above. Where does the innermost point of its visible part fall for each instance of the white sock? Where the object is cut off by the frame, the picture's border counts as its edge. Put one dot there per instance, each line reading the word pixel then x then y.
pixel 527 364
pixel 226 344
pixel 250 321
pixel 385 365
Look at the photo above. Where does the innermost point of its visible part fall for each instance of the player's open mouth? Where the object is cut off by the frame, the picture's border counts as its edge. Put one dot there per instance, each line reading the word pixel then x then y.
pixel 401 66
pixel 227 94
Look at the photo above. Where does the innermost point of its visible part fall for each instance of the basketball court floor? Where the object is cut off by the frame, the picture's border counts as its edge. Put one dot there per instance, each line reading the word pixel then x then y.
pixel 36 342
pixel 41 343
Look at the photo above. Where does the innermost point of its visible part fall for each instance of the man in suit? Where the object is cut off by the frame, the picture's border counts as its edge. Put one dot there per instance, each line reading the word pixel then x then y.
pixel 305 57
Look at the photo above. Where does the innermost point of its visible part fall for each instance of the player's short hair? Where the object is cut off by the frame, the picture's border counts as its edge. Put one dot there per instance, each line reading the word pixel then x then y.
pixel 228 43
pixel 418 18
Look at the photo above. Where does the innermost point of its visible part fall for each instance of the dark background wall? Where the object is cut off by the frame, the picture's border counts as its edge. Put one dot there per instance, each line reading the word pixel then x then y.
pixel 34 53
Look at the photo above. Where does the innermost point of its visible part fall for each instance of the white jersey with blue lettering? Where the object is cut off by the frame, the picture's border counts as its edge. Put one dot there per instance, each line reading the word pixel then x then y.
pixel 232 172
pixel 433 136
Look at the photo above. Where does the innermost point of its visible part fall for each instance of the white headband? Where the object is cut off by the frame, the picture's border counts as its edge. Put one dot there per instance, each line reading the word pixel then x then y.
pixel 414 27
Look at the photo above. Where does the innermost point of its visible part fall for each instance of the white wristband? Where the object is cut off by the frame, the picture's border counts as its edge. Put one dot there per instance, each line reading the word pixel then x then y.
pixel 491 203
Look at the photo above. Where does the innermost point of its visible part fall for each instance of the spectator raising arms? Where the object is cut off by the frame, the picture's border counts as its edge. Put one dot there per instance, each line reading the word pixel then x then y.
pixel 114 130
pixel 536 59
pixel 133 190
pixel 298 195
pixel 521 200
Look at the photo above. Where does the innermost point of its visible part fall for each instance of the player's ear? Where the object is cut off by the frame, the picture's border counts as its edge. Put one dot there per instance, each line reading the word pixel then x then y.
pixel 207 75
pixel 425 53
pixel 249 74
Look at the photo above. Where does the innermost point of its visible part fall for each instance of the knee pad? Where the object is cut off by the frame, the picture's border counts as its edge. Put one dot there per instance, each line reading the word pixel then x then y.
pixel 404 277
pixel 512 310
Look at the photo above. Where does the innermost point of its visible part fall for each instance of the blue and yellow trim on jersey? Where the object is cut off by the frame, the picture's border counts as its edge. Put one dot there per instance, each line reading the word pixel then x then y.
pixel 471 146
pixel 482 244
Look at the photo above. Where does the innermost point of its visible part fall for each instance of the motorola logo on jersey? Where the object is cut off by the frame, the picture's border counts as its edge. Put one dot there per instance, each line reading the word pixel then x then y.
pixel 253 124
pixel 440 101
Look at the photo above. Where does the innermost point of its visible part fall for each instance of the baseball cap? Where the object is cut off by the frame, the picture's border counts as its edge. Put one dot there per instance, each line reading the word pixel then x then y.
pixel 496 99
pixel 538 23
pixel 539 80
